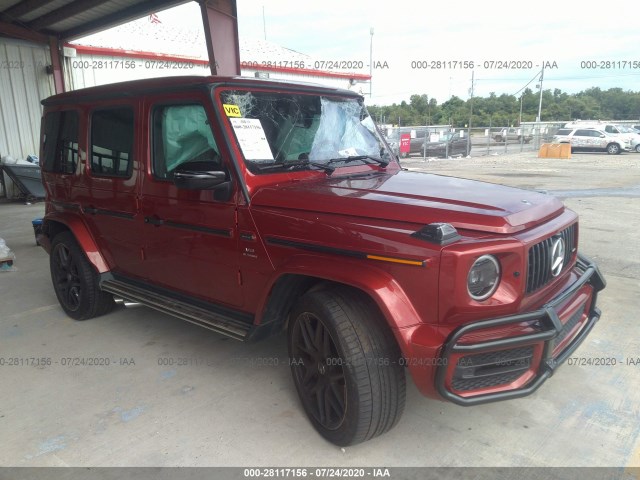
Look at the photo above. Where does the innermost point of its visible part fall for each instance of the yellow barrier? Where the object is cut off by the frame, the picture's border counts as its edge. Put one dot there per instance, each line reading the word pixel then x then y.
pixel 555 150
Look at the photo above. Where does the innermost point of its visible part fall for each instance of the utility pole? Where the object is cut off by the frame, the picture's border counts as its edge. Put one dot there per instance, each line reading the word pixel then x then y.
pixel 264 24
pixel 539 129
pixel 470 114
pixel 520 117
pixel 426 135
pixel 540 104
pixel 371 63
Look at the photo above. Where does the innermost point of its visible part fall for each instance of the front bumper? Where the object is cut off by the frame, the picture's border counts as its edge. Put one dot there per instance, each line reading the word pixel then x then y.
pixel 524 361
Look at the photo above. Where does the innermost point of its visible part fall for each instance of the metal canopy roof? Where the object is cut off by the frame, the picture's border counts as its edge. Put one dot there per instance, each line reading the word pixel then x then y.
pixel 54 22
pixel 69 19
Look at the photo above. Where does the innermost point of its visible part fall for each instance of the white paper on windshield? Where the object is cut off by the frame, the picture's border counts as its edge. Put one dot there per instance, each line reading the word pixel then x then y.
pixel 252 138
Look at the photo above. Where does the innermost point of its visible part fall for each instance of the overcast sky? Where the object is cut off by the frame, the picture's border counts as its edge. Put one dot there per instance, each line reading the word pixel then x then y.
pixel 566 33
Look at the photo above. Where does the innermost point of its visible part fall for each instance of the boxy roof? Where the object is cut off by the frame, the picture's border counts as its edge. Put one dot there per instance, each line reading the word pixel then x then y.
pixel 154 85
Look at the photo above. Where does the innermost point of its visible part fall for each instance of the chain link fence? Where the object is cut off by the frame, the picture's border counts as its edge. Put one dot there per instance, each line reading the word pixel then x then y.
pixel 527 137
pixel 447 141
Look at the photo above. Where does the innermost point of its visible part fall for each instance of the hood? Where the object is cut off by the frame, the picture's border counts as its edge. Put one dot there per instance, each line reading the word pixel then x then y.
pixel 419 198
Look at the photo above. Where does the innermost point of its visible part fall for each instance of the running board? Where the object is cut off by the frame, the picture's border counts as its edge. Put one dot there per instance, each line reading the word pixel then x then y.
pixel 215 321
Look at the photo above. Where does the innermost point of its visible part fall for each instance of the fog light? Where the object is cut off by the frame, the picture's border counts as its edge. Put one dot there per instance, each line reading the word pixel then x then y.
pixel 483 277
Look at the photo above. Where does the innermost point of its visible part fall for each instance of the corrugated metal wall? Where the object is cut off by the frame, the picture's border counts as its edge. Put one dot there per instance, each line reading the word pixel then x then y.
pixel 23 83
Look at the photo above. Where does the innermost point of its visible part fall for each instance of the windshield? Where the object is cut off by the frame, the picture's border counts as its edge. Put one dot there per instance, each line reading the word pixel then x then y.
pixel 448 136
pixel 279 131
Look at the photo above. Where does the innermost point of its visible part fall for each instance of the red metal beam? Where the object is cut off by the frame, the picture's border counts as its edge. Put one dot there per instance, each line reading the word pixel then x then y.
pixel 16 31
pixel 56 63
pixel 220 20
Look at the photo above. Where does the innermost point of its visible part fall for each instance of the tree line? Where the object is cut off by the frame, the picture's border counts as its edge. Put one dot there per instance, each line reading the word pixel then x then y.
pixel 505 110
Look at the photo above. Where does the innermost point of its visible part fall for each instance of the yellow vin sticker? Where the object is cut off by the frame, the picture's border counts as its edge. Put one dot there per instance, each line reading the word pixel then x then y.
pixel 232 110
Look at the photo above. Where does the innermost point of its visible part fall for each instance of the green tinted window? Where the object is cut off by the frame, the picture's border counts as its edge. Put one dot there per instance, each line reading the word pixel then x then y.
pixel 182 134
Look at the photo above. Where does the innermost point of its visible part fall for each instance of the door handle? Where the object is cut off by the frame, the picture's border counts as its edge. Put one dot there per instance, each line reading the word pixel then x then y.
pixel 91 210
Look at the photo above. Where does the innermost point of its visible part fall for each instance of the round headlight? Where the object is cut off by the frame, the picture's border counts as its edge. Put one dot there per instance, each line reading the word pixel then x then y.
pixel 483 277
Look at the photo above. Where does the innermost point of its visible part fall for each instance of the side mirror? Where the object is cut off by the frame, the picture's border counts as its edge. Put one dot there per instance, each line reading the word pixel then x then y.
pixel 198 176
pixel 602 136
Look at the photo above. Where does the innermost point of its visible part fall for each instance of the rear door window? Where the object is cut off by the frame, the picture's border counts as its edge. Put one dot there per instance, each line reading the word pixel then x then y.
pixel 112 142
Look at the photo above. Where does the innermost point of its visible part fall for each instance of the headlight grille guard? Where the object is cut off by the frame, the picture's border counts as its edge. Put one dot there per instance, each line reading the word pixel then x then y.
pixel 547 316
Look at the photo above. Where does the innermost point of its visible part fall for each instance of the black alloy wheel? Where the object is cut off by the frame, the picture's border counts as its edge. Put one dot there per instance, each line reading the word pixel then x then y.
pixel 318 371
pixel 75 280
pixel 66 278
pixel 346 365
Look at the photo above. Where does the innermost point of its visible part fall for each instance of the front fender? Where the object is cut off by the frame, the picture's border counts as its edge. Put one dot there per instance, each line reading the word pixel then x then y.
pixel 76 225
pixel 378 284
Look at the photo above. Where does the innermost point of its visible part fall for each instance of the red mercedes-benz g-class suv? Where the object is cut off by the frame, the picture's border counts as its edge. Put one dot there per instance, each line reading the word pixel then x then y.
pixel 251 206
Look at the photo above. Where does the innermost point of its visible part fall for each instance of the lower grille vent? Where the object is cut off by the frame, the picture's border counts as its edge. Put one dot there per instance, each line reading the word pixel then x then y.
pixel 491 369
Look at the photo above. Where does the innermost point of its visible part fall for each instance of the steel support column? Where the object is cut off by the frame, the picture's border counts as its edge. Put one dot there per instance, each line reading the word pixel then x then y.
pixel 220 19
pixel 56 64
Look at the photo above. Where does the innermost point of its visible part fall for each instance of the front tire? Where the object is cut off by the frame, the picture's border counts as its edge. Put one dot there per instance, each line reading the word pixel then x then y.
pixel 613 149
pixel 638 148
pixel 75 281
pixel 346 365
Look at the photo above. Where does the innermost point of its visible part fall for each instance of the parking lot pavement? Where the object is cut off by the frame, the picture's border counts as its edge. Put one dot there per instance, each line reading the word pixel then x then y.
pixel 137 388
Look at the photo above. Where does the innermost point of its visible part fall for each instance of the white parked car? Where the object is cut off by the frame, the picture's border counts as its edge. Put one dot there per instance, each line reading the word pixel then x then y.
pixel 630 137
pixel 591 140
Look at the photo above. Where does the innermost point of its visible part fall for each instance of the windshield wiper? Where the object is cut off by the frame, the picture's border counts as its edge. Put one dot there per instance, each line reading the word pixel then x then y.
pixel 301 163
pixel 351 158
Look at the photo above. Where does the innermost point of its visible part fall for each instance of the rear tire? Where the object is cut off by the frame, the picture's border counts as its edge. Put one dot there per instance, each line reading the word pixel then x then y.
pixel 638 148
pixel 75 281
pixel 346 365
